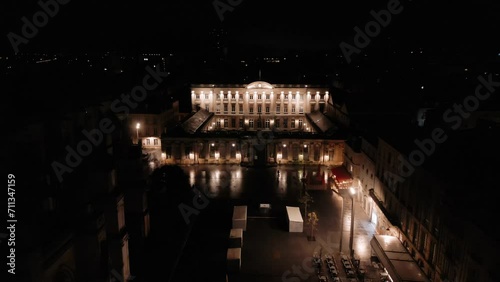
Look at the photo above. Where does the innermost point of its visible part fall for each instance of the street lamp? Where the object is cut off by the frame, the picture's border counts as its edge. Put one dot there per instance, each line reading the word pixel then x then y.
pixel 352 191
pixel 137 126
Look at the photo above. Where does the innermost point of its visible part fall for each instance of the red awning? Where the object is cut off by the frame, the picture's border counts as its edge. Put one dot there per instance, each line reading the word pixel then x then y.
pixel 342 177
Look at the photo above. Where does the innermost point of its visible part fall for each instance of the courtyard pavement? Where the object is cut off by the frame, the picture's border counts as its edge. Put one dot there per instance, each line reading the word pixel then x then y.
pixel 269 251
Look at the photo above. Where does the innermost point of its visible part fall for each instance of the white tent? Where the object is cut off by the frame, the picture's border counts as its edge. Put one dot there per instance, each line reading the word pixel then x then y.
pixel 240 217
pixel 233 259
pixel 236 238
pixel 295 221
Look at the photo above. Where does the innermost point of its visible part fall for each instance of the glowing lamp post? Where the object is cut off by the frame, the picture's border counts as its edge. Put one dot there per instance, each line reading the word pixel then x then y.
pixel 352 191
pixel 137 126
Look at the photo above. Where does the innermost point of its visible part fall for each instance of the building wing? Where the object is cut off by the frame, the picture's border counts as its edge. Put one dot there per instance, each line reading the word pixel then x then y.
pixel 196 121
pixel 321 122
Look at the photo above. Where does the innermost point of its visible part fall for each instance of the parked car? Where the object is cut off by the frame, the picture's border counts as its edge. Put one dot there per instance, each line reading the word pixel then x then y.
pixel 316 262
pixel 350 274
pixel 322 278
pixel 333 272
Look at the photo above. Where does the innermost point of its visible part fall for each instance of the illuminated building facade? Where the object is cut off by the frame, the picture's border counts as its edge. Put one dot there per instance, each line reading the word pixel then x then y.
pixel 256 124
pixel 438 210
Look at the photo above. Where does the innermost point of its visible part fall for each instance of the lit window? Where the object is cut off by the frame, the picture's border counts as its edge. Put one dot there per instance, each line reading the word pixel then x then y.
pixel 267 124
pixel 250 123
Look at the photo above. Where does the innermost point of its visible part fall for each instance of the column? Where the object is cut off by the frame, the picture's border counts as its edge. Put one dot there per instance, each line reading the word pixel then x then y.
pixel 196 151
pixel 228 148
pixel 322 153
pixel 307 151
pixel 290 151
pixel 338 153
pixel 307 102
pixel 183 151
pixel 206 146
pixel 193 98
pixel 174 150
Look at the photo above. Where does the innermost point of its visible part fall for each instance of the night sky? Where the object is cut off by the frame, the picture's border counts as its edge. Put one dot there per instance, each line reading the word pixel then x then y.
pixel 183 25
pixel 450 35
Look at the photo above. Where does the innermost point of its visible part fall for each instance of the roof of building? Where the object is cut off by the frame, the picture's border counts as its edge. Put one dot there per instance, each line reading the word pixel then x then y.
pixel 258 85
pixel 195 122
pixel 179 132
pixel 321 122
pixel 399 263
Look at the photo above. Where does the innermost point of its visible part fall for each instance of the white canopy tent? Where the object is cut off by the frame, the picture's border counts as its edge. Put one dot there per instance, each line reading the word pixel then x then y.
pixel 295 221
pixel 240 217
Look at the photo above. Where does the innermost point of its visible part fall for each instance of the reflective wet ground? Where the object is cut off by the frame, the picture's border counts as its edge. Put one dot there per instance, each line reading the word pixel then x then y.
pixel 251 186
pixel 236 182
